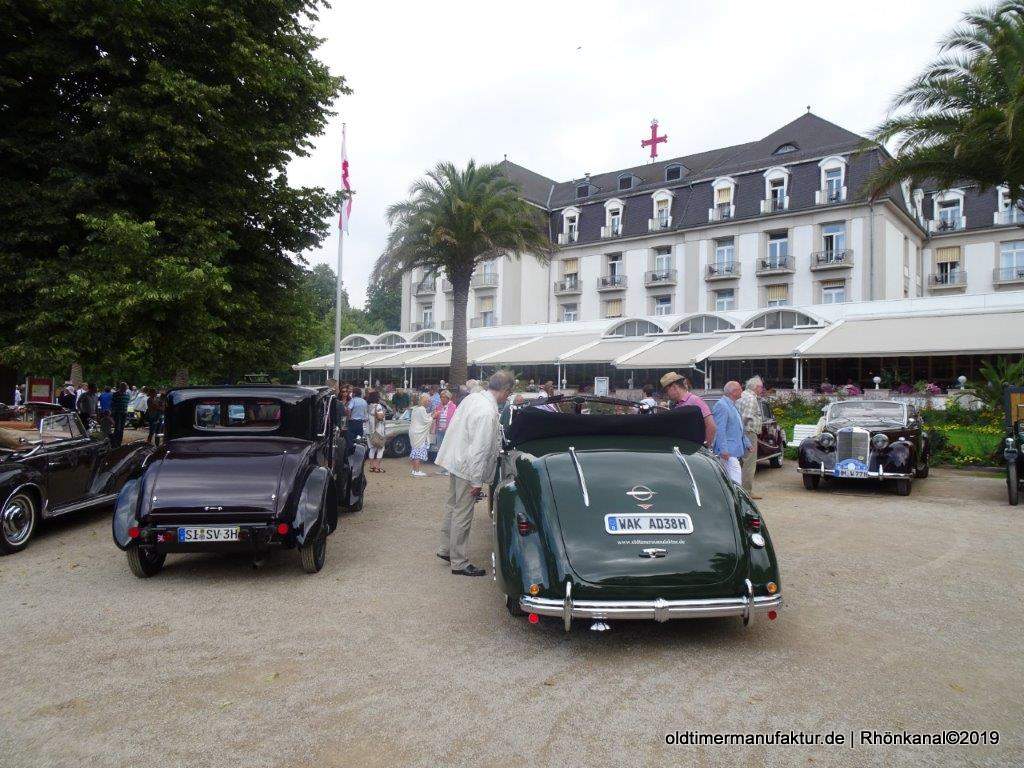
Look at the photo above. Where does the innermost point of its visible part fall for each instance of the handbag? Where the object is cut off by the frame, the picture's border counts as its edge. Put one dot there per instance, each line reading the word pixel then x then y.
pixel 376 440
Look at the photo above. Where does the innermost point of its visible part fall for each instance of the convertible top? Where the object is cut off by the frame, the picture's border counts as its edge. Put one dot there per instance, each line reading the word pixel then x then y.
pixel 532 423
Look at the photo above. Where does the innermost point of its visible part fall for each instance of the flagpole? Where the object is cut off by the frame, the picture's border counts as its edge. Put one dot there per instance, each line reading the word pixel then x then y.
pixel 337 289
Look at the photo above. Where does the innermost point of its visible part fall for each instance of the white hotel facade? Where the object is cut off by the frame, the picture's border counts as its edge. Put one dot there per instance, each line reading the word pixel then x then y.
pixel 741 259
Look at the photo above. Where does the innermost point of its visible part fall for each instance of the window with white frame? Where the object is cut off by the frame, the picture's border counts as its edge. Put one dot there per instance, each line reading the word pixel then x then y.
pixel 948 213
pixel 662 260
pixel 662 305
pixel 776 295
pixel 613 308
pixel 570 224
pixel 614 265
pixel 833 180
pixel 833 292
pixel 571 272
pixel 703 324
pixel 778 250
pixel 1009 212
pixel 569 313
pixel 833 240
pixel 833 184
pixel 662 209
pixel 613 218
pixel 723 196
pixel 776 181
pixel 1011 260
pixel 725 252
pixel 947 265
pixel 427 315
pixel 725 299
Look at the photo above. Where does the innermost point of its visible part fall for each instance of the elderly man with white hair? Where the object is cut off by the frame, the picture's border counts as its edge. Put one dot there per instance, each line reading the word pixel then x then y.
pixel 730 443
pixel 469 453
pixel 753 419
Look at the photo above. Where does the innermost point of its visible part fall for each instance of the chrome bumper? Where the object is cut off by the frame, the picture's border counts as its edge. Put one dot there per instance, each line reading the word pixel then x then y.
pixel 649 610
pixel 877 475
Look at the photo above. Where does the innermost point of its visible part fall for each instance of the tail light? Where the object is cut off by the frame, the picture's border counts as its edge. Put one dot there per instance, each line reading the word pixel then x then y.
pixel 523 525
pixel 534 618
pixel 753 521
pixel 773 615
pixel 282 529
pixel 133 532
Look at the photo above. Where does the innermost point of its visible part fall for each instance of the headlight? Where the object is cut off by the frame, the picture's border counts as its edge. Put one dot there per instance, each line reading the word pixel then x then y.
pixel 879 441
pixel 826 440
pixel 1009 442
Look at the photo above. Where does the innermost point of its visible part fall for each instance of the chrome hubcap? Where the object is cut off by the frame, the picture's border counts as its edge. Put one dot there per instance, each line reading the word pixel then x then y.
pixel 17 520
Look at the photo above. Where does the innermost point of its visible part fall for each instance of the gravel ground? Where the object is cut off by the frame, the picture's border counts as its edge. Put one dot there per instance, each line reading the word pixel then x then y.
pixel 901 614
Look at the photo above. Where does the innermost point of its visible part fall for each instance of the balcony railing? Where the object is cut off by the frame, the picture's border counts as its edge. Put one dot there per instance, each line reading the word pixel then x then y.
pixel 659 223
pixel 956 278
pixel 611 282
pixel 484 280
pixel 484 321
pixel 1010 216
pixel 831 259
pixel 426 325
pixel 659 277
pixel 567 238
pixel 774 264
pixel 723 270
pixel 721 212
pixel 612 230
pixel 1002 275
pixel 830 196
pixel 567 286
pixel 952 224
pixel 775 204
pixel 426 287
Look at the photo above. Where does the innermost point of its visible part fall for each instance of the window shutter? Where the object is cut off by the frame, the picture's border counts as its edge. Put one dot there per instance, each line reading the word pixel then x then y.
pixel 723 195
pixel 613 308
pixel 570 266
pixel 486 304
pixel 947 255
pixel 776 292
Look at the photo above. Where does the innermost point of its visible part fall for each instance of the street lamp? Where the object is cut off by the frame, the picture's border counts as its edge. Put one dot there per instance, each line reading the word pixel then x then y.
pixel 962 380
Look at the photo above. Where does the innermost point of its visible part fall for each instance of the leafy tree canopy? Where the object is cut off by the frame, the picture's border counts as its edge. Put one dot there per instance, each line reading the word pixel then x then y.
pixel 147 223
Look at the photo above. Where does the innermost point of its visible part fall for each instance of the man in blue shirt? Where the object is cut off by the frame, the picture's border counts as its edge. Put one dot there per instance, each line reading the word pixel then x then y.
pixel 730 443
pixel 356 412
pixel 106 400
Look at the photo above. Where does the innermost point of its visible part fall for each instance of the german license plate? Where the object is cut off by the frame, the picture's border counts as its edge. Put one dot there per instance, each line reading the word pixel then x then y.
pixel 851 468
pixel 648 524
pixel 205 533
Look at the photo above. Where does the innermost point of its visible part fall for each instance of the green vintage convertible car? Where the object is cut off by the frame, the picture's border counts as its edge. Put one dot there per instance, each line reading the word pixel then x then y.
pixel 605 510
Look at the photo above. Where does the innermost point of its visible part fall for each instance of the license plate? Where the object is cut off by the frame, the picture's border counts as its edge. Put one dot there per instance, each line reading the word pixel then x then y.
pixel 217 534
pixel 851 468
pixel 648 524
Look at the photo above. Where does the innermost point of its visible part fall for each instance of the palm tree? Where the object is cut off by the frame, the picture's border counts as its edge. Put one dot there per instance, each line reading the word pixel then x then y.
pixel 453 220
pixel 963 117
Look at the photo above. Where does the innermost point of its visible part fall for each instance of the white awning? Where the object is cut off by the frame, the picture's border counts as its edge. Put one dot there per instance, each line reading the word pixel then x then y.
pixel 605 350
pixel 397 358
pixel 543 350
pixel 326 362
pixel 475 349
pixel 675 352
pixel 920 335
pixel 758 345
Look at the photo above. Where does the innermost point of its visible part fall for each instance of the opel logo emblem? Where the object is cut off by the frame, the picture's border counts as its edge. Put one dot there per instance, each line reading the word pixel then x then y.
pixel 640 493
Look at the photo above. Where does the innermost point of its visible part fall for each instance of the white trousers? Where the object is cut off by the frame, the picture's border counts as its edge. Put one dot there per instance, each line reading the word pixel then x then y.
pixel 732 469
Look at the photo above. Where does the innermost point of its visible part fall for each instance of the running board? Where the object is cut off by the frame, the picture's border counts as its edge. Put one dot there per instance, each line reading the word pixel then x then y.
pixel 94 501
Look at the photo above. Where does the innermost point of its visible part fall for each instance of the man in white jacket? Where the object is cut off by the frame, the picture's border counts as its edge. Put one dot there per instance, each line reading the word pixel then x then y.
pixel 469 453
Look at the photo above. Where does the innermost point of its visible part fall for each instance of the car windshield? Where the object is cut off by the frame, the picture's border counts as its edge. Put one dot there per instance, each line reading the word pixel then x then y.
pixel 255 414
pixel 866 412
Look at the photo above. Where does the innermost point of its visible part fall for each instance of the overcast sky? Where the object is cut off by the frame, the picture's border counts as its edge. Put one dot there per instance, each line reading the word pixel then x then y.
pixel 570 88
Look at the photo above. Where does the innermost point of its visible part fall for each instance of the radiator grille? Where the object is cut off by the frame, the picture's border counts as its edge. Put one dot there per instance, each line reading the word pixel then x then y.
pixel 852 443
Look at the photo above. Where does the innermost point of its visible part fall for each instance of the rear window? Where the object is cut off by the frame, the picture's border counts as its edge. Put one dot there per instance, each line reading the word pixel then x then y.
pixel 247 413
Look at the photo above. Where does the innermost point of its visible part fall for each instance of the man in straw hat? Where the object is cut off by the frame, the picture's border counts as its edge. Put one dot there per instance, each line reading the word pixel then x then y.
pixel 677 390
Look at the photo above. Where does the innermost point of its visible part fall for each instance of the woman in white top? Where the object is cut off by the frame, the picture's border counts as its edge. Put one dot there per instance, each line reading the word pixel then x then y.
pixel 377 435
pixel 420 422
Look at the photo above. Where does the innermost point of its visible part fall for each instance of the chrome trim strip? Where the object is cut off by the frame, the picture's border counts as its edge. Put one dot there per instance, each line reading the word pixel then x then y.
pixel 748 600
pixel 871 476
pixel 93 501
pixel 579 476
pixel 652 610
pixel 693 481
pixel 567 606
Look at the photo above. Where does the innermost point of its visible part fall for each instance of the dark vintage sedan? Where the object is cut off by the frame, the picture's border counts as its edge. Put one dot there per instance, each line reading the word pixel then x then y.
pixel 604 513
pixel 771 442
pixel 867 440
pixel 242 469
pixel 50 466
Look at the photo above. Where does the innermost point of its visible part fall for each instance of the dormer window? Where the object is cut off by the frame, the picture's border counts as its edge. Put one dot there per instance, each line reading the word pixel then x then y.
pixel 723 189
pixel 582 190
pixel 673 173
pixel 785 149
pixel 1008 212
pixel 949 211
pixel 662 211
pixel 613 218
pixel 570 226
pixel 832 187
pixel 625 182
pixel 776 190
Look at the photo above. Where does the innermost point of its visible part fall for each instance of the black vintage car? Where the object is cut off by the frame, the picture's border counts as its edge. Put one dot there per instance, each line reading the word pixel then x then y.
pixel 243 469
pixel 50 465
pixel 868 440
pixel 1013 445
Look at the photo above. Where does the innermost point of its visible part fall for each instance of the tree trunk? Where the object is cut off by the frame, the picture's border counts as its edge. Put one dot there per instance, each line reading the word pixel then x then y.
pixel 460 298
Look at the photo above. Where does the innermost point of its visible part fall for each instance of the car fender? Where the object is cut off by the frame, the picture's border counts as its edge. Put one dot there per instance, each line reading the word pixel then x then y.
pixel 18 478
pixel 898 457
pixel 310 507
pixel 126 511
pixel 120 464
pixel 520 560
pixel 356 461
pixel 811 455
